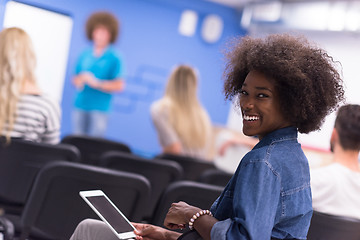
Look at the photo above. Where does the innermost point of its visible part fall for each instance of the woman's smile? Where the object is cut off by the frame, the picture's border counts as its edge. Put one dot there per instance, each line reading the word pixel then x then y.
pixel 250 121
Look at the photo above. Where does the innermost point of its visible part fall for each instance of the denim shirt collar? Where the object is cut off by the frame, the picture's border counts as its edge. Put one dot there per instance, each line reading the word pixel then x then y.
pixel 277 135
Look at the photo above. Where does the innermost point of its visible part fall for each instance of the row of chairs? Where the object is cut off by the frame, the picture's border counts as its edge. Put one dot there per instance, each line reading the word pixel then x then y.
pixel 56 173
pixel 25 159
pixel 323 226
pixel 92 148
pixel 54 207
pixel 162 170
pixel 55 189
pixel 20 162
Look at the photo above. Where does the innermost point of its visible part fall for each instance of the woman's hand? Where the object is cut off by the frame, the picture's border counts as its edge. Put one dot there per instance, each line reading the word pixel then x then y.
pixel 224 147
pixel 151 232
pixel 85 78
pixel 78 82
pixel 179 215
pixel 91 80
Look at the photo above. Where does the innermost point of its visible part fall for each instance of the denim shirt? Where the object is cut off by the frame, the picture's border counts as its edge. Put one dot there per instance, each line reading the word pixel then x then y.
pixel 269 194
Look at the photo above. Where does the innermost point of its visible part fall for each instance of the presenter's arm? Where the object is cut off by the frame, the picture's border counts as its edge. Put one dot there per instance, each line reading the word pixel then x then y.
pixel 115 85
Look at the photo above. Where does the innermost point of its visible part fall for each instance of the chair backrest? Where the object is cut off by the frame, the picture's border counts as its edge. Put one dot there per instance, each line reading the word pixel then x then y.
pixel 20 162
pixel 329 227
pixel 159 172
pixel 54 207
pixel 197 194
pixel 215 177
pixel 192 167
pixel 91 148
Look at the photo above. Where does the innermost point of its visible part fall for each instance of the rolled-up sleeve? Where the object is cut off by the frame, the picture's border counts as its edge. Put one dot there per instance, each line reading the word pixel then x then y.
pixel 219 230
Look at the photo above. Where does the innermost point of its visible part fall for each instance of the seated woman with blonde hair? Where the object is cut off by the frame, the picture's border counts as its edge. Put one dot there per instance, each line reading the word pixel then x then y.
pixel 25 112
pixel 182 124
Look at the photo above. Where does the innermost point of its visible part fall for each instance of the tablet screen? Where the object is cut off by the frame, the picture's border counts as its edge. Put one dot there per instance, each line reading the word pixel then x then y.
pixel 112 216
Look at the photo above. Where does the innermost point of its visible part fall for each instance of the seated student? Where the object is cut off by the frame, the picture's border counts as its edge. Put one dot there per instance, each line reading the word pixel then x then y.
pixel 285 86
pixel 336 187
pixel 231 146
pixel 182 124
pixel 25 112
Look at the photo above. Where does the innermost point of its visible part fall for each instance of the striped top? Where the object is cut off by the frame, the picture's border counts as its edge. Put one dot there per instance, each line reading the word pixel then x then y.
pixel 38 119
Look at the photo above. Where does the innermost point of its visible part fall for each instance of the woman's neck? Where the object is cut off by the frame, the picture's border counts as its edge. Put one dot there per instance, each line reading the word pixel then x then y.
pixel 99 50
pixel 30 87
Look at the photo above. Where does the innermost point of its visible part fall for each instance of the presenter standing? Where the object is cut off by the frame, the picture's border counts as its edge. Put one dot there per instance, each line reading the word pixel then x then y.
pixel 98 74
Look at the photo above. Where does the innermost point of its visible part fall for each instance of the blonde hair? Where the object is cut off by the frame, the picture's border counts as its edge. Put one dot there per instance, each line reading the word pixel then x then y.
pixel 189 119
pixel 17 65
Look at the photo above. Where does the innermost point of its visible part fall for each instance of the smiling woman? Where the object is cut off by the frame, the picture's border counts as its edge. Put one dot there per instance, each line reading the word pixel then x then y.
pixel 285 86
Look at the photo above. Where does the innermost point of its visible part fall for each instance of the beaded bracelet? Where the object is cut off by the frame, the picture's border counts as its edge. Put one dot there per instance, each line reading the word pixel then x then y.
pixel 196 216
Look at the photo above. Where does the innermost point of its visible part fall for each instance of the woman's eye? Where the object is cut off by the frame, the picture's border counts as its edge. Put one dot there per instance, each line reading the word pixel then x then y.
pixel 261 95
pixel 242 92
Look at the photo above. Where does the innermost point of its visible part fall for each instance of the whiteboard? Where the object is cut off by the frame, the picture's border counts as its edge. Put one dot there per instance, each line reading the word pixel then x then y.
pixel 51 34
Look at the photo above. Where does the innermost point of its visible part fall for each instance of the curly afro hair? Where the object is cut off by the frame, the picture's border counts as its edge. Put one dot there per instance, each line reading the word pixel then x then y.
pixel 305 76
pixel 105 19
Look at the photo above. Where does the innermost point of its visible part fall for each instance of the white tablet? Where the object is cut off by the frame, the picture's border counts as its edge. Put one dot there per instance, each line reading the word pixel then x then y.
pixel 109 213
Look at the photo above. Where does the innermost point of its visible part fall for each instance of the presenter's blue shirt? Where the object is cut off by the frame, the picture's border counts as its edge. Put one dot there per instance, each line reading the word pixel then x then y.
pixel 108 66
pixel 269 194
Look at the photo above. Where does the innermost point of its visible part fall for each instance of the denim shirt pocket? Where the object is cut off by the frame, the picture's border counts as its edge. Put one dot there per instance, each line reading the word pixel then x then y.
pixel 297 209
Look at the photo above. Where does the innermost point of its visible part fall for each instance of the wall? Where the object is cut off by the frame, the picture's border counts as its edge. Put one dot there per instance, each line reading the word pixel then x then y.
pixel 151 46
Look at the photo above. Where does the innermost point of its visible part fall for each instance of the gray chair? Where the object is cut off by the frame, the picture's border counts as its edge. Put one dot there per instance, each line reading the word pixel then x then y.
pixel 329 227
pixel 159 172
pixel 197 194
pixel 193 167
pixel 20 162
pixel 54 207
pixel 215 177
pixel 7 230
pixel 91 148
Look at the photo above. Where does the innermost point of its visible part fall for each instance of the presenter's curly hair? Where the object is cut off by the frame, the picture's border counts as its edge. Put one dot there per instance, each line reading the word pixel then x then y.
pixel 105 19
pixel 305 76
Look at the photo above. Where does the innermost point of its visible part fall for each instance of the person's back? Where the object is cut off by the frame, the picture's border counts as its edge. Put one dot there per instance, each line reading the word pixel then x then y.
pixel 38 119
pixel 336 190
pixel 25 112
pixel 336 187
pixel 182 124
